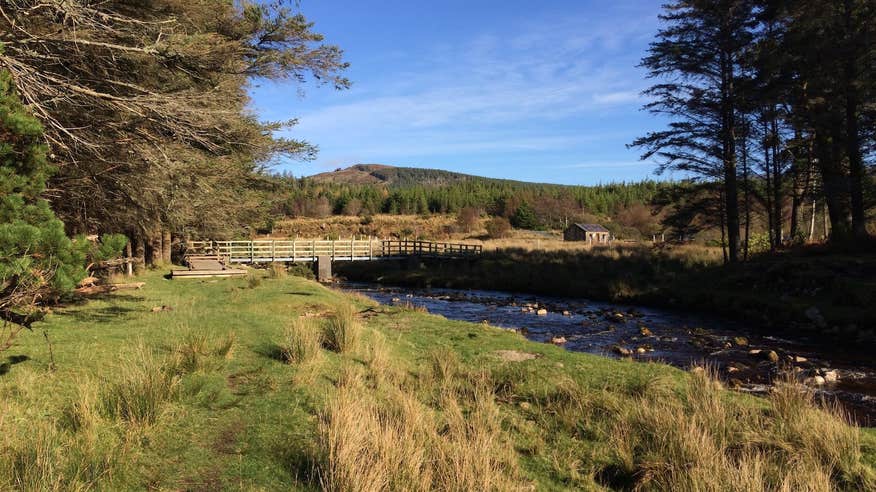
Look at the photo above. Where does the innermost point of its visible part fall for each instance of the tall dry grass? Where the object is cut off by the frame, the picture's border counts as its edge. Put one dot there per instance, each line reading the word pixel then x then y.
pixel 143 383
pixel 71 448
pixel 392 441
pixel 700 440
pixel 302 341
pixel 343 332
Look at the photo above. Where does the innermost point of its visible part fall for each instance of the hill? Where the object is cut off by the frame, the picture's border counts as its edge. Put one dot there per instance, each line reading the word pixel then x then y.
pixel 403 177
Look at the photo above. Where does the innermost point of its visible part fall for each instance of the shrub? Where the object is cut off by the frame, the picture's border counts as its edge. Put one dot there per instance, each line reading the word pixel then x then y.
pixel 498 227
pixel 301 341
pixel 342 331
pixel 467 218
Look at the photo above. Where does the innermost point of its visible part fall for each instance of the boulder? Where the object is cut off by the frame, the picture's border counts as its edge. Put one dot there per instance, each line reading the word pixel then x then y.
pixel 740 341
pixel 831 376
pixel 558 340
pixel 645 332
pixel 772 356
pixel 622 351
pixel 542 312
pixel 814 381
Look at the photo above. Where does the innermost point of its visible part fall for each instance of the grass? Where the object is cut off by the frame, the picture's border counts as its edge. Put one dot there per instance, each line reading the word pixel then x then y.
pixel 201 398
pixel 342 331
pixel 302 341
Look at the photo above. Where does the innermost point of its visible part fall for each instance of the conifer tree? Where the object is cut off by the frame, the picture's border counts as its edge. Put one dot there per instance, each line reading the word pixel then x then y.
pixel 696 57
pixel 37 259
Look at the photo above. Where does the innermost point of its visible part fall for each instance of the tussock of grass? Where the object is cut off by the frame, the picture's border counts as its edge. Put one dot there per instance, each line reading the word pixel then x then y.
pixel 398 443
pixel 302 341
pixel 225 347
pixel 142 385
pixel 277 271
pixel 253 280
pixel 342 330
pixel 701 441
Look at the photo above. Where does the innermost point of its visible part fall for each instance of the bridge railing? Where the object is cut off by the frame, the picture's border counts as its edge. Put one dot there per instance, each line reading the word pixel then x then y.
pixel 269 250
pixel 428 248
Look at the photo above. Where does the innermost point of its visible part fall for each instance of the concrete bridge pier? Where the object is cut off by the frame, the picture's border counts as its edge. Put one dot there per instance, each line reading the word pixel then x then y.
pixel 324 268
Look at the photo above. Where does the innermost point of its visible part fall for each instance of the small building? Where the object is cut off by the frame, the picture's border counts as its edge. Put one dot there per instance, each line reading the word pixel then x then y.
pixel 592 233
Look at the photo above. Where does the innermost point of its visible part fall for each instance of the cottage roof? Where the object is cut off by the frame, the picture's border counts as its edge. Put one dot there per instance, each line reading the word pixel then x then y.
pixel 591 227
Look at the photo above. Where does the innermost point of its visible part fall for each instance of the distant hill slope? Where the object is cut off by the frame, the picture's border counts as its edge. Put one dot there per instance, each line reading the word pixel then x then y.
pixel 400 177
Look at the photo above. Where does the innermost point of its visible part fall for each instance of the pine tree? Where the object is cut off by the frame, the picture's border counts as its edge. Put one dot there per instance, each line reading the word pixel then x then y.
pixel 696 56
pixel 37 259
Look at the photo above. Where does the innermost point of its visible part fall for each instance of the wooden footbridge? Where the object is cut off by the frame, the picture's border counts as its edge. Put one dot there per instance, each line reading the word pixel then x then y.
pixel 215 258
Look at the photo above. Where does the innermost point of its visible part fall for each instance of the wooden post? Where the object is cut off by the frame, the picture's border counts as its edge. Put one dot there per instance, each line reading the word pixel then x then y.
pixel 129 266
pixel 294 254
pixel 251 253
pixel 273 256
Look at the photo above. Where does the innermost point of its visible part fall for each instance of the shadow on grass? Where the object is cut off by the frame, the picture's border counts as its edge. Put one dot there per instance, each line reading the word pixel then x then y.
pixel 6 366
pixel 100 315
pixel 300 294
pixel 271 351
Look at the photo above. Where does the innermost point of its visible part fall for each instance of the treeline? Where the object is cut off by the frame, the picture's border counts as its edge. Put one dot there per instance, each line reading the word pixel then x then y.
pixel 772 106
pixel 552 205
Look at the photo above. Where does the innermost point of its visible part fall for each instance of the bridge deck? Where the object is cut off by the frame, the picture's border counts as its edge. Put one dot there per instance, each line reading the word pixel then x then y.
pixel 289 251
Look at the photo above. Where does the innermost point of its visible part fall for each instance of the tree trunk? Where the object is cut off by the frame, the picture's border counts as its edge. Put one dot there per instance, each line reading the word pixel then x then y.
pixel 166 243
pixel 836 191
pixel 139 245
pixel 769 184
pixel 747 197
pixel 153 248
pixel 777 181
pixel 731 198
pixel 853 142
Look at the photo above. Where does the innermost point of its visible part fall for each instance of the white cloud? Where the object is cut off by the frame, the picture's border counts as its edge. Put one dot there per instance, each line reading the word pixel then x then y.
pixel 491 93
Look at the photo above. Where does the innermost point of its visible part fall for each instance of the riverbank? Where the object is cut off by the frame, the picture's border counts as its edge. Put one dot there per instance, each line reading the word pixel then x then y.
pixel 274 383
pixel 808 292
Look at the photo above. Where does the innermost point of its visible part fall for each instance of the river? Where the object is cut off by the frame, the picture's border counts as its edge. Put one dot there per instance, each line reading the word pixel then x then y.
pixel 745 360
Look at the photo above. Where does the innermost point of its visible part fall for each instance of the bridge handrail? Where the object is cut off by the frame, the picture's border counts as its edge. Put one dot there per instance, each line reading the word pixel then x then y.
pixel 265 250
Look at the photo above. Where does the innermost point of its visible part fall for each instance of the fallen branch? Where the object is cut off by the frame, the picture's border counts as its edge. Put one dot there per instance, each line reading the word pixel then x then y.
pixel 104 289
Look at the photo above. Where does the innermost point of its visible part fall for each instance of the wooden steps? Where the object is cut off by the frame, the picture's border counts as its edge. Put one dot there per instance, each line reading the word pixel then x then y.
pixel 203 266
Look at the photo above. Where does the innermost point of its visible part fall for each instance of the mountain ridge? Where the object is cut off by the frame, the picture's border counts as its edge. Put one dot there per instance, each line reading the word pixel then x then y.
pixel 403 177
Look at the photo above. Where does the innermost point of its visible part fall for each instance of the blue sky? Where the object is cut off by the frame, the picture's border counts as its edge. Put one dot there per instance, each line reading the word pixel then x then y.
pixel 537 91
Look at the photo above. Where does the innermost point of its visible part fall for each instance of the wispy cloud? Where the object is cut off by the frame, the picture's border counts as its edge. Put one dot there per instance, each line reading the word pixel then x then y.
pixel 551 84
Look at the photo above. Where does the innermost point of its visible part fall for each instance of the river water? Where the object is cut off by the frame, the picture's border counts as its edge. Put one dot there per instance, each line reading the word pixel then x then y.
pixel 747 361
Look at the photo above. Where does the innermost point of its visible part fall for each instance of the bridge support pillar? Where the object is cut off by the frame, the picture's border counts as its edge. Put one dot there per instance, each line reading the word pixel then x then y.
pixel 324 268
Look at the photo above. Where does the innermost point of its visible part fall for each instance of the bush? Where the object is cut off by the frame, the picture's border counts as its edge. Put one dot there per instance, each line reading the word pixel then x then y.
pixel 498 227
pixel 467 219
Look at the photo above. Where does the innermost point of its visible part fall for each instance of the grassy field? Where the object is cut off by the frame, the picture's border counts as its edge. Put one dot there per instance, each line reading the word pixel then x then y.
pixel 274 382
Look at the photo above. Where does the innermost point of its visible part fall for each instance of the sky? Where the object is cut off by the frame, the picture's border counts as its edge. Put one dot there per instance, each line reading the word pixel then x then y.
pixel 536 91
